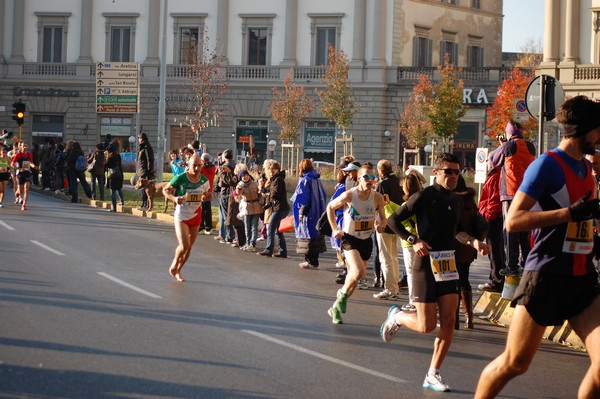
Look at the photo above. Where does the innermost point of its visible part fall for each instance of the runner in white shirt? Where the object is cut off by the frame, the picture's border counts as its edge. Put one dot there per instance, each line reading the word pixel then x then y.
pixel 187 191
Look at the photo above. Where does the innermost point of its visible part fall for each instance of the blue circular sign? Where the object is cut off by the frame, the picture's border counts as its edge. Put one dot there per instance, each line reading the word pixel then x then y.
pixel 521 106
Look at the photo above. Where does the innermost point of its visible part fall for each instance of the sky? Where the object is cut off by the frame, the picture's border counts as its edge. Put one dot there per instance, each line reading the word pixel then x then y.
pixel 523 20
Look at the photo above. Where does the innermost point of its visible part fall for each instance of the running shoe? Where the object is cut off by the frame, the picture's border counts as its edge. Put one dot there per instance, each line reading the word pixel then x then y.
pixel 362 284
pixel 1 206
pixel 306 265
pixel 435 383
pixel 340 264
pixel 389 328
pixel 335 314
pixel 409 308
pixel 387 295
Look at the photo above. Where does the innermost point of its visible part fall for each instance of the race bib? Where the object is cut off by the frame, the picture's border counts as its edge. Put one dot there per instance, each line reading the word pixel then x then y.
pixel 3 169
pixel 443 265
pixel 193 197
pixel 363 223
pixel 26 165
pixel 579 238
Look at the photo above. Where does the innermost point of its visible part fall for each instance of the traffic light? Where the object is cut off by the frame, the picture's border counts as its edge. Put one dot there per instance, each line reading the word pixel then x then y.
pixel 18 112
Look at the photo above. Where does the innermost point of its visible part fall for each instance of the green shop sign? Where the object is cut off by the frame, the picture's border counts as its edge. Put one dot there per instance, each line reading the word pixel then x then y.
pixel 319 140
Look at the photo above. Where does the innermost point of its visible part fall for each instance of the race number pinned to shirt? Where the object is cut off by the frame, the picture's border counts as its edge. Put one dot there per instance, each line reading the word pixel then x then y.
pixel 579 238
pixel 26 165
pixel 363 223
pixel 194 195
pixel 3 169
pixel 443 265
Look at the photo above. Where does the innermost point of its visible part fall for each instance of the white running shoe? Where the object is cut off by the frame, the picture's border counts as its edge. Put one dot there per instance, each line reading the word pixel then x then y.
pixel 386 294
pixel 362 284
pixel 389 328
pixel 1 206
pixel 435 383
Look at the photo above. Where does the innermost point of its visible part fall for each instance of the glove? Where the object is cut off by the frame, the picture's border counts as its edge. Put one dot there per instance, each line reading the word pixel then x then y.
pixel 584 209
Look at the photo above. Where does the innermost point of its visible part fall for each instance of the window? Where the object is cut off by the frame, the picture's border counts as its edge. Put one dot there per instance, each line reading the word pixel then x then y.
pixel 324 30
pixel 120 36
pixel 476 4
pixel 52 36
pixel 455 2
pixel 421 52
pixel 188 30
pixel 257 30
pixel 450 48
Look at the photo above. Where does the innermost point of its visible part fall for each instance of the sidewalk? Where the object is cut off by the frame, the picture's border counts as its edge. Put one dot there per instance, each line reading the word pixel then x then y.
pixel 488 306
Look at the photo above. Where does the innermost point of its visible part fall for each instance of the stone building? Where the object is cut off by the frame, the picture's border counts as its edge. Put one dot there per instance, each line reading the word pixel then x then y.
pixel 50 52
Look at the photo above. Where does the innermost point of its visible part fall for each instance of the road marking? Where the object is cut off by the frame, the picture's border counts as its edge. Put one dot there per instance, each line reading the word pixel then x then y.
pixel 133 287
pixel 327 358
pixel 6 226
pixel 47 248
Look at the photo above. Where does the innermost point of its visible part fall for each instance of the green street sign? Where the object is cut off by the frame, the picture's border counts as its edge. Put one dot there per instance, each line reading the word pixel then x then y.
pixel 116 99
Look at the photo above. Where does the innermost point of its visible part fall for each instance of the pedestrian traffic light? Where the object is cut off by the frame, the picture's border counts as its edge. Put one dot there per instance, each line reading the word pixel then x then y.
pixel 18 112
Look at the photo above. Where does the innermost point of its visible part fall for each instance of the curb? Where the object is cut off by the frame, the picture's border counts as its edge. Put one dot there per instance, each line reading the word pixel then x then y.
pixel 492 307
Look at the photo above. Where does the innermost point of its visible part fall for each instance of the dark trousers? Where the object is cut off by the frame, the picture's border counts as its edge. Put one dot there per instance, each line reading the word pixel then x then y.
pixel 496 256
pixel 516 244
pixel 206 216
pixel 75 175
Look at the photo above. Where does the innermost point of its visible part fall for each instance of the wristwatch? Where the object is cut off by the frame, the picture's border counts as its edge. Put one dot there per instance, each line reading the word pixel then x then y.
pixel 411 239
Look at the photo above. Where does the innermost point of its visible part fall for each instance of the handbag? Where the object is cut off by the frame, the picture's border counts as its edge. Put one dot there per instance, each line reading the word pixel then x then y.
pixel 286 224
pixel 323 225
pixel 116 172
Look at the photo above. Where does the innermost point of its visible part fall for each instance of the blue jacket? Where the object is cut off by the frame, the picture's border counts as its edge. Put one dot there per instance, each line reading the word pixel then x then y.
pixel 309 201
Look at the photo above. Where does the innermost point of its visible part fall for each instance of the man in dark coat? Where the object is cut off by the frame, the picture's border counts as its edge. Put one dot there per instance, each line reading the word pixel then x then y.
pixel 144 166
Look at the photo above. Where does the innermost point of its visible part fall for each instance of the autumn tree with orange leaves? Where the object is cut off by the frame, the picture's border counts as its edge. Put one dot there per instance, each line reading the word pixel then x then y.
pixel 290 107
pixel 500 113
pixel 337 102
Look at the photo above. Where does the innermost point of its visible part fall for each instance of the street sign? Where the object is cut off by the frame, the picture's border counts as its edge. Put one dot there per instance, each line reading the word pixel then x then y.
pixel 481 156
pixel 553 98
pixel 520 113
pixel 117 87
pixel 244 139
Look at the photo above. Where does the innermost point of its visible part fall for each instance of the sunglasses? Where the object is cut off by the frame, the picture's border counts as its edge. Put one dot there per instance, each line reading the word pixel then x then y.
pixel 369 177
pixel 450 171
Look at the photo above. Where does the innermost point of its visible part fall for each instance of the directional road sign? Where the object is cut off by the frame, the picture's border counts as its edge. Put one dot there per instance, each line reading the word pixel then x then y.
pixel 117 87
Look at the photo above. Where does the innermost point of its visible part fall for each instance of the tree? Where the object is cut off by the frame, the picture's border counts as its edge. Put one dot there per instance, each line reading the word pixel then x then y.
pixel 531 54
pixel 290 107
pixel 208 83
pixel 434 110
pixel 337 102
pixel 501 112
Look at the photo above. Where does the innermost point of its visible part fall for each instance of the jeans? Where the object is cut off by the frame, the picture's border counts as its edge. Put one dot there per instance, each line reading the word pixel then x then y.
pixel 251 226
pixel 272 230
pixel 113 198
pixel 206 216
pixel 225 230
pixel 74 175
pixel 100 179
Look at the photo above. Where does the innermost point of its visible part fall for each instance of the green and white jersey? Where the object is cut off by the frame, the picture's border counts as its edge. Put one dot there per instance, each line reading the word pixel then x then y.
pixel 192 204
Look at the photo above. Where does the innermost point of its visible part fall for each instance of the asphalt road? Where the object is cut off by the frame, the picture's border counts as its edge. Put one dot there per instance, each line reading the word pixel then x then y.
pixel 88 310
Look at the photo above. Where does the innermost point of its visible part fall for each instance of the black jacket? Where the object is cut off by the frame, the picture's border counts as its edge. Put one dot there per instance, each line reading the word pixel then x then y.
pixel 144 164
pixel 278 193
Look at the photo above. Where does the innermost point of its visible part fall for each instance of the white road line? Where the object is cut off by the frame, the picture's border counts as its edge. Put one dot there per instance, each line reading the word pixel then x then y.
pixel 327 358
pixel 47 248
pixel 6 226
pixel 133 287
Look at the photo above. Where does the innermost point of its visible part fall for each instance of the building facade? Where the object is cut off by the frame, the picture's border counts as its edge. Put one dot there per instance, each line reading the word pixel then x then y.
pixel 51 52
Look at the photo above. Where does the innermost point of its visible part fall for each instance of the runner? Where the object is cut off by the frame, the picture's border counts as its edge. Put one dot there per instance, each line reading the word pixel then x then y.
pixel 559 282
pixel 187 191
pixel 362 204
pixel 4 173
pixel 435 277
pixel 23 163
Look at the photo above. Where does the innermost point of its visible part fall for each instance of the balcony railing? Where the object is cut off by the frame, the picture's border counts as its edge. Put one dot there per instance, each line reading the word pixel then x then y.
pixel 309 73
pixel 587 73
pixel 49 69
pixel 466 74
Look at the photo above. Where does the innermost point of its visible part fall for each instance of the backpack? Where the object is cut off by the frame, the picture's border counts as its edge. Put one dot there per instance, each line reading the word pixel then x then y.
pixel 81 163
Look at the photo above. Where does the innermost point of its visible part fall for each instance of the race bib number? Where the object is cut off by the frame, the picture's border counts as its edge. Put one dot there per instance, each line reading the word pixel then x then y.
pixel 26 165
pixel 363 223
pixel 193 197
pixel 3 169
pixel 443 265
pixel 579 238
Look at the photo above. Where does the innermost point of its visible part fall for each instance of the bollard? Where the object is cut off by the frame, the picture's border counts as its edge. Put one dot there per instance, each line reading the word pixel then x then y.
pixel 510 286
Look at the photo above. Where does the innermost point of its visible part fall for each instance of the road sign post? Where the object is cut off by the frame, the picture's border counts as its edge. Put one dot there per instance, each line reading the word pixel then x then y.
pixel 117 87
pixel 544 95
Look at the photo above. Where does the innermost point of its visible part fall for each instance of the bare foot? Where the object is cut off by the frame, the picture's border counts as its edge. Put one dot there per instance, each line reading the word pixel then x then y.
pixel 172 272
pixel 179 277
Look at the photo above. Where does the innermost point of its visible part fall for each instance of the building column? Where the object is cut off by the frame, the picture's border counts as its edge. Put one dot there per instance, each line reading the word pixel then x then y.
pixel 223 29
pixel 2 23
pixel 154 28
pixel 291 29
pixel 551 31
pixel 18 31
pixel 572 32
pixel 376 66
pixel 359 33
pixel 85 44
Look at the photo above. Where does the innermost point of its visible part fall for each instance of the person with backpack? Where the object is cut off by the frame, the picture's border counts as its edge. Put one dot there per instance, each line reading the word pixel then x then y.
pixel 76 167
pixel 96 168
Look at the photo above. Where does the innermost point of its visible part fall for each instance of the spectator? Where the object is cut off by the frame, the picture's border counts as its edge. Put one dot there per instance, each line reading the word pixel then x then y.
pixel 277 201
pixel 250 208
pixel 309 201
pixel 114 171
pixel 47 161
pixel 75 174
pixel 209 170
pixel 175 162
pixel 233 209
pixel 96 169
pixel 144 166
pixel 106 142
pixel 224 184
pixel 60 167
pixel 514 156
